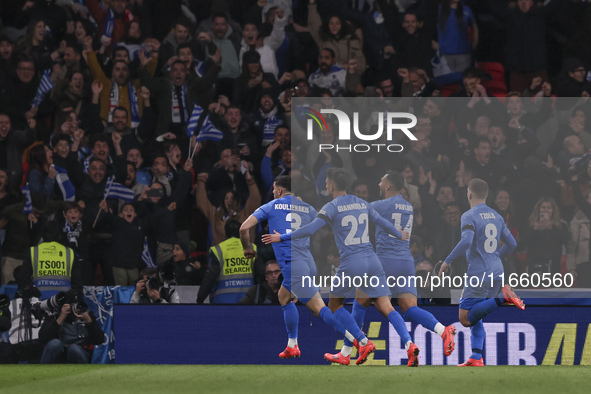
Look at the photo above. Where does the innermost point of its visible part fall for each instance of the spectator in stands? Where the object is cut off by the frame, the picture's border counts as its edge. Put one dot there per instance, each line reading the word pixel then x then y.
pixel 19 93
pixel 7 59
pixel 118 90
pixel 38 47
pixel 12 144
pixel 526 45
pixel 452 30
pixel 544 238
pixel 252 82
pixel 230 208
pixel 329 75
pixel 179 34
pixel 413 45
pixel 41 172
pixel 338 36
pixel 577 249
pixel 188 269
pixel 572 82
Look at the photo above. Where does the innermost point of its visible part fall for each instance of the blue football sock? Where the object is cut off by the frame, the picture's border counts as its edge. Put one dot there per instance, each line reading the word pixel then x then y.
pixel 326 315
pixel 421 316
pixel 292 319
pixel 481 310
pixel 477 334
pixel 358 314
pixel 346 320
pixel 399 325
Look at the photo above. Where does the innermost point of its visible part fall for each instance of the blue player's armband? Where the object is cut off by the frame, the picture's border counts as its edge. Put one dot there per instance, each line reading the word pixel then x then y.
pixel 304 231
pixel 462 246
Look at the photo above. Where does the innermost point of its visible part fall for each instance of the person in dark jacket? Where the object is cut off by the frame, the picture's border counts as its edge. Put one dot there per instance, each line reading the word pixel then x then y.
pixel 526 45
pixel 267 291
pixel 12 144
pixel 127 245
pixel 69 337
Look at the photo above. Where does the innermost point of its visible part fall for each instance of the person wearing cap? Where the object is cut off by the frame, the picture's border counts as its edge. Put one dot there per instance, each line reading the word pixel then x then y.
pixel 252 82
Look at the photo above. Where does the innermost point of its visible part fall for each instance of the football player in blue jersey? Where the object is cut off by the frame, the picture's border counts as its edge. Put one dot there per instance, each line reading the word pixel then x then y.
pixel 398 266
pixel 482 228
pixel 285 214
pixel 349 217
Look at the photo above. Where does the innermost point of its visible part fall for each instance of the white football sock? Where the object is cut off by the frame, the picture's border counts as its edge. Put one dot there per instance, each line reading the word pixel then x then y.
pixel 291 342
pixel 439 329
pixel 346 350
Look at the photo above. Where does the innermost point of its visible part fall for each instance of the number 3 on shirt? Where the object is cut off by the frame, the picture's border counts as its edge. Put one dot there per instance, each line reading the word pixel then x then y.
pixel 354 222
pixel 295 220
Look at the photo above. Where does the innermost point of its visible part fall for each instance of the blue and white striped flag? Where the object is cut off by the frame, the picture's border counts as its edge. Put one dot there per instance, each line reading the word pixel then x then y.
pixel 28 201
pixel 65 184
pixel 117 190
pixel 209 132
pixel 200 68
pixel 269 129
pixel 109 24
pixel 194 120
pixel 146 256
pixel 44 87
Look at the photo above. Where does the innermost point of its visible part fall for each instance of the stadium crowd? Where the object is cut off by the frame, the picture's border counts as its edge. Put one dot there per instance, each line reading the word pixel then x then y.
pixel 97 89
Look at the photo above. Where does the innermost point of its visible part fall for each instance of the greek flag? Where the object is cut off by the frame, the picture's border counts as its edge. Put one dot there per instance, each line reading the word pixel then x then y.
pixel 29 202
pixel 209 132
pixel 117 190
pixel 65 184
pixel 200 69
pixel 44 87
pixel 194 120
pixel 146 256
pixel 109 23
pixel 269 129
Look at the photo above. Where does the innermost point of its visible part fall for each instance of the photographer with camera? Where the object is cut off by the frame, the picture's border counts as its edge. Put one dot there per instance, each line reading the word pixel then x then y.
pixel 70 336
pixel 156 287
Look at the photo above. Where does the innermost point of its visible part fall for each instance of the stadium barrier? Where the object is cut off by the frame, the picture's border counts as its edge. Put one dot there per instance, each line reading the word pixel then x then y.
pixel 207 334
pixel 201 334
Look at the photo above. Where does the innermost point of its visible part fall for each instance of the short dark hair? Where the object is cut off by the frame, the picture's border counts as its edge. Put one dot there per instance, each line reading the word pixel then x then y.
pixel 120 61
pixel 120 49
pixel 329 51
pixel 167 145
pixel 339 176
pixel 103 137
pixel 478 188
pixel 284 182
pixel 178 62
pixel 396 179
pixel 59 137
pixel 480 140
pixel 74 45
pixel 232 229
pixel 183 46
pixel 120 108
pixel 181 20
pixel 219 15
pixel 126 204
pixel 68 205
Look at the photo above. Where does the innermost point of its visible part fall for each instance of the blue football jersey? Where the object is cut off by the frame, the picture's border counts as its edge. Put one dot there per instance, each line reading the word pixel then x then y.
pixel 349 217
pixel 284 215
pixel 488 227
pixel 400 213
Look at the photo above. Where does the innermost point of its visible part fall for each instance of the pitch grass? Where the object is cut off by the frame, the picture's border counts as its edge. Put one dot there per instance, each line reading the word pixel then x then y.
pixel 287 379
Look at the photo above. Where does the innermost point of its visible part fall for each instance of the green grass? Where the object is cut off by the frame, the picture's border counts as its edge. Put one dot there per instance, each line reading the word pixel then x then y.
pixel 286 379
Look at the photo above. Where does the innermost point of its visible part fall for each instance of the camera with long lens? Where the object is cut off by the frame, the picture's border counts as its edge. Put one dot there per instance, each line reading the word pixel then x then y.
pixel 77 305
pixel 54 303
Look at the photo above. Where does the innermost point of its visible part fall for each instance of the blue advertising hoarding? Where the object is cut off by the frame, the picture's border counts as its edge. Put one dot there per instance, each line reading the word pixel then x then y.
pixel 200 334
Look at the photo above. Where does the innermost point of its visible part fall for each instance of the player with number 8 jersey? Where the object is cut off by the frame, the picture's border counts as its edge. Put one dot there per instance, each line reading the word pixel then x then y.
pixel 482 228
